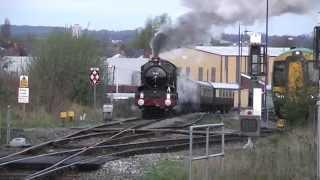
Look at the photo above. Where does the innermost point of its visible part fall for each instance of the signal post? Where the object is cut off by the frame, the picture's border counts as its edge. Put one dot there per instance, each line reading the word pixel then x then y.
pixel 23 93
pixel 250 119
pixel 316 51
pixel 94 78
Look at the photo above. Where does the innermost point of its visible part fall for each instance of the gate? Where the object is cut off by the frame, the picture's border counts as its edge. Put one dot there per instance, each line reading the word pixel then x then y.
pixel 207 155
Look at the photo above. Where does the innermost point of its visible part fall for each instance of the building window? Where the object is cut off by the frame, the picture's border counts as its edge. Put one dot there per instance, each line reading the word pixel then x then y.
pixel 200 75
pixel 213 74
pixel 188 71
pixel 226 61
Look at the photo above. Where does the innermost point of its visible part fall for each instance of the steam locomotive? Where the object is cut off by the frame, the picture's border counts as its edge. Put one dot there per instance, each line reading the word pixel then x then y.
pixel 164 90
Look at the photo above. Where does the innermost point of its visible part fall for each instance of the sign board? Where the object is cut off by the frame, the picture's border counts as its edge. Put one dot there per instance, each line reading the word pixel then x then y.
pixel 94 75
pixel 24 81
pixel 23 95
pixel 255 38
pixel 250 125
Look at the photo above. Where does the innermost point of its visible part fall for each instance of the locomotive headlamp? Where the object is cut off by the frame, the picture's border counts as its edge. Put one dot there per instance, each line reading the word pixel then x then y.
pixel 167 102
pixel 141 95
pixel 278 95
pixel 140 102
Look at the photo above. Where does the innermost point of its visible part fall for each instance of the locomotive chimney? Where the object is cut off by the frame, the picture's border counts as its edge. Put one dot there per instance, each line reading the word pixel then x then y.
pixel 157 44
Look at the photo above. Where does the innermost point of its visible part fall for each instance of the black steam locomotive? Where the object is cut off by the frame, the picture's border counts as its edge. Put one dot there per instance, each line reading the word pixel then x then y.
pixel 163 90
pixel 158 86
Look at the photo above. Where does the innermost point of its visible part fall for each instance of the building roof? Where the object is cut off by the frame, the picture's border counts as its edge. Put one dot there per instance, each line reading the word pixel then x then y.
pixel 231 86
pixel 234 50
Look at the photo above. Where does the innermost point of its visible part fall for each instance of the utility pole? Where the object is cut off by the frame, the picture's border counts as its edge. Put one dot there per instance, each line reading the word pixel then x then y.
pixel 316 51
pixel 238 68
pixel 266 69
pixel 8 122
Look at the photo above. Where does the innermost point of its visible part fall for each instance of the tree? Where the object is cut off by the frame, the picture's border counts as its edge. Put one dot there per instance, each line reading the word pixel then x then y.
pixel 144 35
pixel 59 71
pixel 5 29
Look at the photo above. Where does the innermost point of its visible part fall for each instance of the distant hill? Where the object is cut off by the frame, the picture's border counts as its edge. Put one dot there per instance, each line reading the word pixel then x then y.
pixel 44 31
pixel 127 35
pixel 274 40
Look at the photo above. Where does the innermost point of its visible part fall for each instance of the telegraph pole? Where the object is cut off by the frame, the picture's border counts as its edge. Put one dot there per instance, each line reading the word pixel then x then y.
pixel 316 51
pixel 266 70
pixel 238 68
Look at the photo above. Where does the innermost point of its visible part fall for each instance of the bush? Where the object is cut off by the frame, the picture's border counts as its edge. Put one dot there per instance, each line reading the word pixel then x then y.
pixel 298 105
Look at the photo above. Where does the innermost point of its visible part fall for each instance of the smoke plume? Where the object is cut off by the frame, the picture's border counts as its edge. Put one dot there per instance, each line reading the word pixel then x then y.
pixel 196 25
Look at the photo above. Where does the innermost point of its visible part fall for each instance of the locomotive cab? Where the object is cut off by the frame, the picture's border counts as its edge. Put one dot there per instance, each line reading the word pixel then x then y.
pixel 292 71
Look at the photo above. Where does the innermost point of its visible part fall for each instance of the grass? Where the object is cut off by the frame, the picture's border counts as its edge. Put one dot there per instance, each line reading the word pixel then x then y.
pixel 166 170
pixel 285 156
pixel 39 118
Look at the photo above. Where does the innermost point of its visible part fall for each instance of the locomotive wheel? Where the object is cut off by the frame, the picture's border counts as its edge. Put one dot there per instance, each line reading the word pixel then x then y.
pixel 145 114
pixel 150 113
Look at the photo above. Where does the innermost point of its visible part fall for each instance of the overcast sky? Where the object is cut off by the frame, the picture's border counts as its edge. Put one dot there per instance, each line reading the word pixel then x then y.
pixel 125 14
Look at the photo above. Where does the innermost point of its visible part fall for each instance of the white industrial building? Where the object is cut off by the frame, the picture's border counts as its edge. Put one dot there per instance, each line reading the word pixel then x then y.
pixel 15 64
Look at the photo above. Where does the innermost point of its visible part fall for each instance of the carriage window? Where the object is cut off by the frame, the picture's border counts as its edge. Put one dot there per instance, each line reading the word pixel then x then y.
pixel 188 71
pixel 200 75
pixel 279 74
pixel 217 92
pixel 213 74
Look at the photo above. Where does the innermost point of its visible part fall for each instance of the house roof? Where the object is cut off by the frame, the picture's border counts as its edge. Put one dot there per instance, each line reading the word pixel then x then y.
pixel 234 50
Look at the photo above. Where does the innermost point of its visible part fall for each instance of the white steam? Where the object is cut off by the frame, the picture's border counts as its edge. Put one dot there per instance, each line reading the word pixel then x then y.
pixel 188 95
pixel 196 25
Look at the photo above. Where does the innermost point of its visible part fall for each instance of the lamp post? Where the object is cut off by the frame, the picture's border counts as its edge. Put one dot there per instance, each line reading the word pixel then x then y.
pixel 266 70
pixel 238 68
pixel 246 43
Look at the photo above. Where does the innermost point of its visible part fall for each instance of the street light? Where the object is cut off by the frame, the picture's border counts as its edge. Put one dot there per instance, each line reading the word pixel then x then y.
pixel 266 63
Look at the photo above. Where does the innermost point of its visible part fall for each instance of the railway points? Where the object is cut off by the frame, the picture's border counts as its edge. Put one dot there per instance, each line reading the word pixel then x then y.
pixel 90 148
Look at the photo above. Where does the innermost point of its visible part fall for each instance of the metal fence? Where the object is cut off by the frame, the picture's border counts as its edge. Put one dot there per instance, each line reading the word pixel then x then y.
pixel 207 155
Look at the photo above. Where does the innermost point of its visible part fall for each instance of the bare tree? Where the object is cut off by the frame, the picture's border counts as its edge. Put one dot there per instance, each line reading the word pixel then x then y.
pixel 6 29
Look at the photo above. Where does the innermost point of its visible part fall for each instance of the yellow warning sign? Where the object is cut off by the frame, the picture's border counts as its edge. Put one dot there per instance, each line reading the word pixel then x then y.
pixel 24 83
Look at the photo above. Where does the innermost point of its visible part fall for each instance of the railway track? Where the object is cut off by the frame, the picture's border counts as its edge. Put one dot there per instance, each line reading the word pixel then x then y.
pixel 90 148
